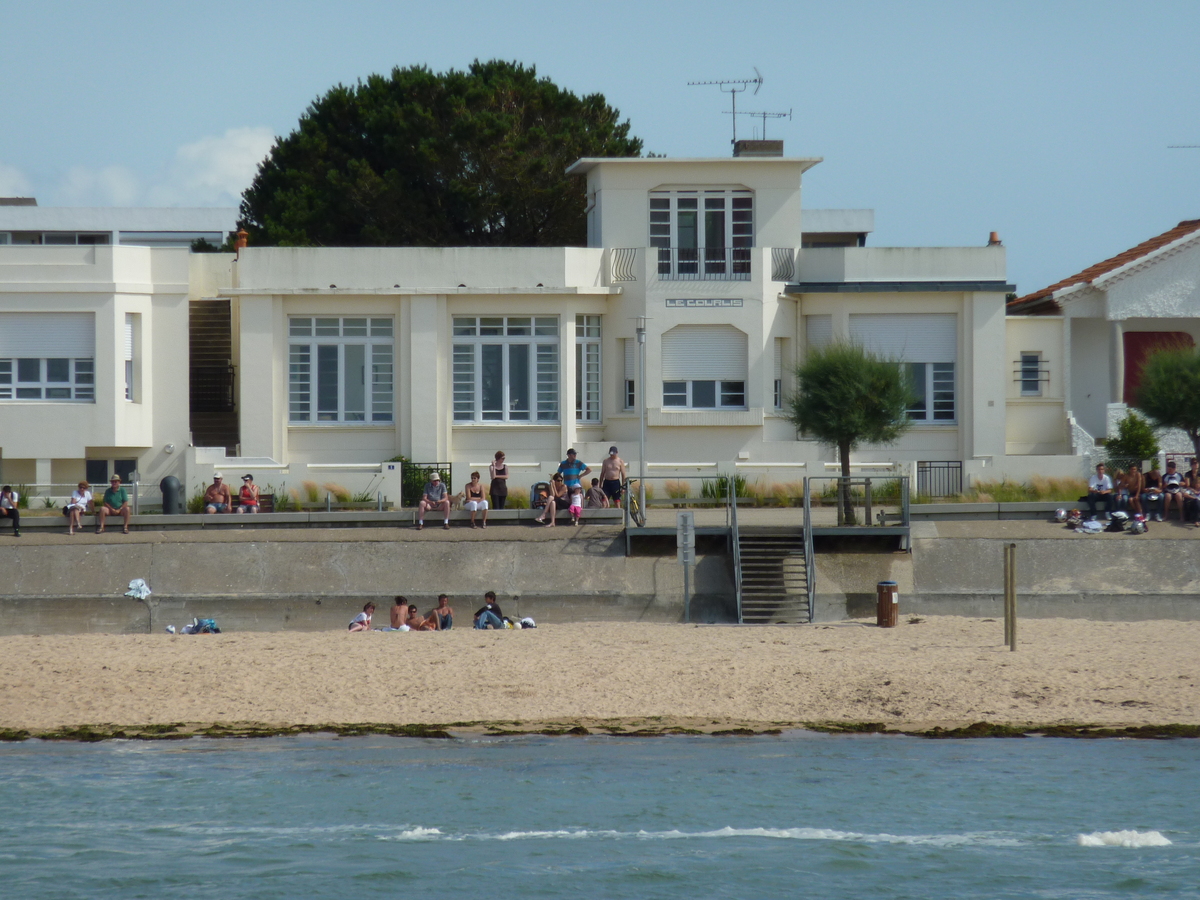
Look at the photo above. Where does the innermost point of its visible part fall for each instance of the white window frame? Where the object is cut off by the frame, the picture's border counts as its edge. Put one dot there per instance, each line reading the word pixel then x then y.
pixel 78 387
pixel 375 335
pixel 130 336
pixel 706 246
pixel 682 394
pixel 1029 371
pixel 935 385
pixel 588 404
pixel 540 335
pixel 629 353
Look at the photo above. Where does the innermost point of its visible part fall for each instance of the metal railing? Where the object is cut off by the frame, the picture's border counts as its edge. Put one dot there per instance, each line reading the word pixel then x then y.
pixel 704 263
pixel 810 570
pixel 859 501
pixel 732 518
pixel 939 478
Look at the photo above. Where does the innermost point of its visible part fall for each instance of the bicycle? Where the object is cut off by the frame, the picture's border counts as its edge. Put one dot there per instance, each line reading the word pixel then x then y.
pixel 629 487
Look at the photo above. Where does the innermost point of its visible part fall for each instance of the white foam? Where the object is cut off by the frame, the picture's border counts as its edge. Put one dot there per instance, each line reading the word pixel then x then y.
pixel 795 834
pixel 1123 839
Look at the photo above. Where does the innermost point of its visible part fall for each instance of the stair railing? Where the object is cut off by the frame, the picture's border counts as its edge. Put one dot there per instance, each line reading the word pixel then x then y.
pixel 737 547
pixel 810 571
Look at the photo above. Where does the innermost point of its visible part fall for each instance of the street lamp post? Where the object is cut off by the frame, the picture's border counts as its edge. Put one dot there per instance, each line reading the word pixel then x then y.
pixel 641 339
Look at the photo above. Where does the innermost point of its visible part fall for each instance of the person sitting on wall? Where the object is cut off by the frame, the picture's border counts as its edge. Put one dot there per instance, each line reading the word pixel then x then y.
pixel 1172 483
pixel 1152 497
pixel 115 503
pixel 613 474
pixel 362 622
pixel 80 498
pixel 434 497
pixel 1120 498
pixel 217 498
pixel 555 500
pixel 248 495
pixel 1100 490
pixel 473 499
pixel 489 616
pixel 1134 485
pixel 442 616
pixel 10 507
pixel 596 498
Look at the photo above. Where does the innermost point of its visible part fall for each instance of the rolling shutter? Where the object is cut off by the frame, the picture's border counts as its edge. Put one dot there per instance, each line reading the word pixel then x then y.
pixel 48 335
pixel 630 359
pixel 910 338
pixel 819 330
pixel 128 337
pixel 778 359
pixel 703 352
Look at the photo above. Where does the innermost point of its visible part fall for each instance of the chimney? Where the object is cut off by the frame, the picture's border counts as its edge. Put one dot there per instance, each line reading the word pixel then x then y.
pixel 243 237
pixel 994 239
pixel 758 148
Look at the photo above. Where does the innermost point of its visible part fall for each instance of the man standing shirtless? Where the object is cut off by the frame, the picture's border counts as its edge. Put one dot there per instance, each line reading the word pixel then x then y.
pixel 612 475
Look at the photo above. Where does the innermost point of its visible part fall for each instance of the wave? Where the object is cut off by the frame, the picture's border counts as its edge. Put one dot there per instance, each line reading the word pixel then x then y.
pixel 1123 839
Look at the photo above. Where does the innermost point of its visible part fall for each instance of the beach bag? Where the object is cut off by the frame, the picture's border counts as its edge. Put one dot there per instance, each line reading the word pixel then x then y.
pixel 205 626
pixel 1118 523
pixel 1074 518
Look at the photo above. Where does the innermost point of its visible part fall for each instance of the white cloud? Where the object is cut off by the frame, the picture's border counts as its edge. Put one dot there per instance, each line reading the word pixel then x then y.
pixel 215 170
pixel 110 186
pixel 13 182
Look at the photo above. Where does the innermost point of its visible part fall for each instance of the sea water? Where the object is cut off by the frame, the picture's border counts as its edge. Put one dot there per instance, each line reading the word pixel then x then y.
pixel 794 815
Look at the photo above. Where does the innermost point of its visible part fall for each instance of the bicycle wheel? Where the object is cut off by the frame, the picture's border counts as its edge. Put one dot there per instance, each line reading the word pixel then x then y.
pixel 635 511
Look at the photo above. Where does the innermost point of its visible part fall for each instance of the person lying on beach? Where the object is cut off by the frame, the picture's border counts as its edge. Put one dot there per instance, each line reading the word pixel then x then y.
pixel 489 615
pixel 399 612
pixel 417 622
pixel 362 622
pixel 443 616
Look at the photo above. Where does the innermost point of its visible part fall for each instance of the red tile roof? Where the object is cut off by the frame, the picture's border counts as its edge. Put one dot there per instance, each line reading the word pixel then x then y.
pixel 1041 302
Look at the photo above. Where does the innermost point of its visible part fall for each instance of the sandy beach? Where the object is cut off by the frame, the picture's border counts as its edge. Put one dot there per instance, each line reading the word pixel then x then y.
pixel 939 671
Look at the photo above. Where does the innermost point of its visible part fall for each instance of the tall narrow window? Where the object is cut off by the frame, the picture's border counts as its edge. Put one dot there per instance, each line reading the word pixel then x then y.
pixel 779 373
pixel 587 368
pixel 1030 375
pixel 629 383
pixel 505 369
pixel 129 329
pixel 340 370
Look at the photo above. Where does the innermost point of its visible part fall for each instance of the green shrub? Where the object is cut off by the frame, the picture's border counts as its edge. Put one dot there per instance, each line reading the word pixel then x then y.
pixel 518 498
pixel 718 488
pixel 195 502
pixel 1135 442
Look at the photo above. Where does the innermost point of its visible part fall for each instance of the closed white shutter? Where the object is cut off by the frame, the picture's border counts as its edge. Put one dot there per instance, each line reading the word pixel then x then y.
pixel 778 359
pixel 910 338
pixel 820 331
pixel 703 352
pixel 48 335
pixel 128 337
pixel 630 359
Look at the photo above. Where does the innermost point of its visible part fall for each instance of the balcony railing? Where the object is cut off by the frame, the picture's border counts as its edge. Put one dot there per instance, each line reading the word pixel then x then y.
pixel 704 263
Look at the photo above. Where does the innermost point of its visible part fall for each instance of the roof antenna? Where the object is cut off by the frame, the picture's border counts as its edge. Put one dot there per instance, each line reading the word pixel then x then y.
pixel 736 86
pixel 764 115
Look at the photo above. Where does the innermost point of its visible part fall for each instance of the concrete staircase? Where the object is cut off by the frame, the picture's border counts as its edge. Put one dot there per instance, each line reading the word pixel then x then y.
pixel 774 582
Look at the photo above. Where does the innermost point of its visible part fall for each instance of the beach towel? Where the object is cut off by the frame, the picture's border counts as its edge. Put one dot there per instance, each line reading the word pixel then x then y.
pixel 138 589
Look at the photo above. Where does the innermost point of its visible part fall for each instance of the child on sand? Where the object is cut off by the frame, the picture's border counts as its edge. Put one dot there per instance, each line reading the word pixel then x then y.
pixel 362 622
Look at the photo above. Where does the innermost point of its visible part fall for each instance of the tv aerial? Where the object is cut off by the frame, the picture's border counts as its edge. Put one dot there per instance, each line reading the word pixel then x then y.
pixel 733 87
pixel 764 116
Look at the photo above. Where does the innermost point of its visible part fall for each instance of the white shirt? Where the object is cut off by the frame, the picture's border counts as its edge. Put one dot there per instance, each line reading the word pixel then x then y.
pixel 81 499
pixel 1099 483
pixel 6 503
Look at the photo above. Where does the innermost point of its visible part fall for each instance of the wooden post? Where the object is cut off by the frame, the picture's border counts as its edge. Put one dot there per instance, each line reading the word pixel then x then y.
pixel 1010 596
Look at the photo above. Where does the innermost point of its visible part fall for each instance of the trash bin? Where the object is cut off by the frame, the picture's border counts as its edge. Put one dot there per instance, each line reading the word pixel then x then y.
pixel 172 496
pixel 887 604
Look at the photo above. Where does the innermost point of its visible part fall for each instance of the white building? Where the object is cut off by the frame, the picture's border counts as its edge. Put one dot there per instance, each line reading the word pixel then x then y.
pixel 1094 329
pixel 304 361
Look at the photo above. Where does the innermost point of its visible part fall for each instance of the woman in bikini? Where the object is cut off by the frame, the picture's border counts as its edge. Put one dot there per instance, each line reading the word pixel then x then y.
pixel 473 499
pixel 556 501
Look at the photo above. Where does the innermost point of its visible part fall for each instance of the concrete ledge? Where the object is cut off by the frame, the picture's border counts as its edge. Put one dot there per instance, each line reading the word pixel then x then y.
pixel 316 519
pixel 948 512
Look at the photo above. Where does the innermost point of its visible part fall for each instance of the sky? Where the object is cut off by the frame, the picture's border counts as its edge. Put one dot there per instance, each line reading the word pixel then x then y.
pixel 1047 122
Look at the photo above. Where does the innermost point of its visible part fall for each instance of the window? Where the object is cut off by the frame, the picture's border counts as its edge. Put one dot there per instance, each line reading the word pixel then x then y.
pixel 1030 374
pixel 47 356
pixel 47 379
pixel 629 382
pixel 702 233
pixel 705 394
pixel 129 337
pixel 704 367
pixel 927 345
pixel 779 373
pixel 505 369
pixel 340 370
pixel 587 368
